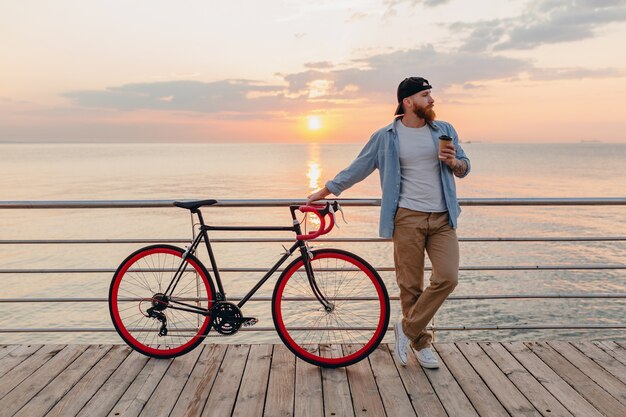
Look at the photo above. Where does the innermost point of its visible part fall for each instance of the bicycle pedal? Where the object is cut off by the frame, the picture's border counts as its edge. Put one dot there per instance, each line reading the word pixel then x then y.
pixel 249 321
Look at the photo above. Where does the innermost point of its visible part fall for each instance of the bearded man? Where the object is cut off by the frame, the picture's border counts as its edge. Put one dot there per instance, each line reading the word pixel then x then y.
pixel 419 208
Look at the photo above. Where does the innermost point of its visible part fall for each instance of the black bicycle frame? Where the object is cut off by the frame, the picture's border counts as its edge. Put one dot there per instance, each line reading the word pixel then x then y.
pixel 221 295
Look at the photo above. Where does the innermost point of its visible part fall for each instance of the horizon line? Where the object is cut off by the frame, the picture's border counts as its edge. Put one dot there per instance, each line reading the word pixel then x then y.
pixel 266 142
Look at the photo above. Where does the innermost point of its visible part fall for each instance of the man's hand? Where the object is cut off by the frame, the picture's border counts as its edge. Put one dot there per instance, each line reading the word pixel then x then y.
pixel 448 155
pixel 318 195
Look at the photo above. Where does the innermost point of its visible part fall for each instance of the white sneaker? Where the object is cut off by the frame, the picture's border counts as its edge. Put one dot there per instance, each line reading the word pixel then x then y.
pixel 427 358
pixel 402 343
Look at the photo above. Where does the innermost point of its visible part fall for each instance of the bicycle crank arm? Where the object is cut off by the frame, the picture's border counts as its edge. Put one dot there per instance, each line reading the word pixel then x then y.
pixel 244 321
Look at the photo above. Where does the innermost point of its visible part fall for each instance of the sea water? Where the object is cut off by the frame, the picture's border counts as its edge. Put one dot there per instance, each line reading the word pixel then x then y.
pixel 292 171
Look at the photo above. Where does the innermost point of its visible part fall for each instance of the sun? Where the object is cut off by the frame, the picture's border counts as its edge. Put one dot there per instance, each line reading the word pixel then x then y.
pixel 315 123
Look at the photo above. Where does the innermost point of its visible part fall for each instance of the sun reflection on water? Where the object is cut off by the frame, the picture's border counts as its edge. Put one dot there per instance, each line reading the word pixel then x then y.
pixel 314 172
pixel 314 175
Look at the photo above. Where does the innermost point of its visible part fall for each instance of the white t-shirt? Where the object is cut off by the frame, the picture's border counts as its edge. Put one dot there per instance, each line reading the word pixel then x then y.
pixel 421 188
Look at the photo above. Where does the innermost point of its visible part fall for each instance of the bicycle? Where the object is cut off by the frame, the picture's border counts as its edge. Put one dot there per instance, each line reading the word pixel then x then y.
pixel 163 301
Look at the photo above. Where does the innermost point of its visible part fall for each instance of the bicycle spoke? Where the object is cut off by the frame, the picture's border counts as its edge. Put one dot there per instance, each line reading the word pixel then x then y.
pixel 145 276
pixel 340 277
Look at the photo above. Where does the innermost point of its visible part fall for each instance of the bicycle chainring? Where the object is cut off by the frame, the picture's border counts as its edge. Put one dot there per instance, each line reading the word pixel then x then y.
pixel 226 318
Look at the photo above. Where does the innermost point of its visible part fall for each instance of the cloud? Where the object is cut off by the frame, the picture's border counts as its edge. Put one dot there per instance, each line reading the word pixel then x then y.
pixel 413 3
pixel 357 16
pixel 321 85
pixel 319 65
pixel 551 74
pixel 219 96
pixel 392 4
pixel 472 86
pixel 448 68
pixel 379 74
pixel 11 101
pixel 543 22
pixel 324 85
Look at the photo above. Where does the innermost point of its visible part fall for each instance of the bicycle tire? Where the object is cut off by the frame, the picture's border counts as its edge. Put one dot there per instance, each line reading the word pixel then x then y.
pixel 354 327
pixel 138 278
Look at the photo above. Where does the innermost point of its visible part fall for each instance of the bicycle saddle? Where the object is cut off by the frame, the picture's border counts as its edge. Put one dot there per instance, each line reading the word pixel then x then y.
pixel 194 205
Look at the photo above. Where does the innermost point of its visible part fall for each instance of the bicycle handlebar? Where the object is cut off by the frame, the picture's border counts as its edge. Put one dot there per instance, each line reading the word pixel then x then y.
pixel 321 212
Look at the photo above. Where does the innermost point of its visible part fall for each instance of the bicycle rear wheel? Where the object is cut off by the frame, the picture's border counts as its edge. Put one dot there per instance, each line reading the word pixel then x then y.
pixel 146 273
pixel 359 313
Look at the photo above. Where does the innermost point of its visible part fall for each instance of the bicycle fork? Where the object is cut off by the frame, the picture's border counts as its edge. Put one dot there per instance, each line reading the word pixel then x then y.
pixel 307 255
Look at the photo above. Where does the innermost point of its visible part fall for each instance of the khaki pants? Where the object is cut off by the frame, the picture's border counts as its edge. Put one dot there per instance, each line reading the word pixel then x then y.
pixel 414 233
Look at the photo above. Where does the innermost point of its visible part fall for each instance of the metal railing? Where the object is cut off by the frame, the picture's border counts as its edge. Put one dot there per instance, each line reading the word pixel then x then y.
pixel 126 204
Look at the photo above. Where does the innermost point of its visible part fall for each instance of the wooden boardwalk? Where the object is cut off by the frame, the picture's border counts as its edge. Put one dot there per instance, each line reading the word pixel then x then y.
pixel 583 379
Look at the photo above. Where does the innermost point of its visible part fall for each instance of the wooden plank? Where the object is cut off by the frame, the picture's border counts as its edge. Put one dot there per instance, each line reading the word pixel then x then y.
pixel 37 377
pixel 560 389
pixel 484 401
pixel 614 350
pixel 251 397
pixel 448 390
pixel 6 349
pixel 394 396
pixel 196 391
pixel 587 366
pixel 109 394
pixel 508 394
pixel 28 388
pixel 164 397
pixel 599 398
pixel 308 400
pixel 337 399
pixel 24 364
pixel 16 357
pixel 222 397
pixel 139 392
pixel 421 394
pixel 41 403
pixel 608 362
pixel 82 392
pixel 365 396
pixel 541 398
pixel 280 389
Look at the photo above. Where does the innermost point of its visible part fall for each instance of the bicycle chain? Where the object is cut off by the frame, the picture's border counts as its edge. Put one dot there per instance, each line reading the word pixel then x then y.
pixel 216 334
pixel 245 324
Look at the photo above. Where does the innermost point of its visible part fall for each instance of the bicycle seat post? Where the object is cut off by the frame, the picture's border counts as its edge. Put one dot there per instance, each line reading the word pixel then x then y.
pixel 199 213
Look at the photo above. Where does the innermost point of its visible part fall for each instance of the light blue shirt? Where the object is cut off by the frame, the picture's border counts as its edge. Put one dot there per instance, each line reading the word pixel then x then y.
pixel 381 152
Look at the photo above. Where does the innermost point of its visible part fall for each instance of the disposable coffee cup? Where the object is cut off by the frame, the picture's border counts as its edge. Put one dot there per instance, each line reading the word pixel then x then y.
pixel 443 141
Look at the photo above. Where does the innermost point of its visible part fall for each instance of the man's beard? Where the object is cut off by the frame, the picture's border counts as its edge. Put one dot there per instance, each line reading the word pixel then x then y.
pixel 426 113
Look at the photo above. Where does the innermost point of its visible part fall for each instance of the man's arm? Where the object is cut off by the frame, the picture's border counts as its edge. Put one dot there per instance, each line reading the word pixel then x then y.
pixel 318 195
pixel 449 156
pixel 359 169
pixel 454 156
pixel 459 168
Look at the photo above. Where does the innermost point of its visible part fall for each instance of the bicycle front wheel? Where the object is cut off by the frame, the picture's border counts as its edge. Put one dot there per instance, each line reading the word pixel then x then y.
pixel 138 284
pixel 358 313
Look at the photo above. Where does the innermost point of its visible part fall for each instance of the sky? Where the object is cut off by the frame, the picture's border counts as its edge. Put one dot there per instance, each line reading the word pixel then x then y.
pixel 301 71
